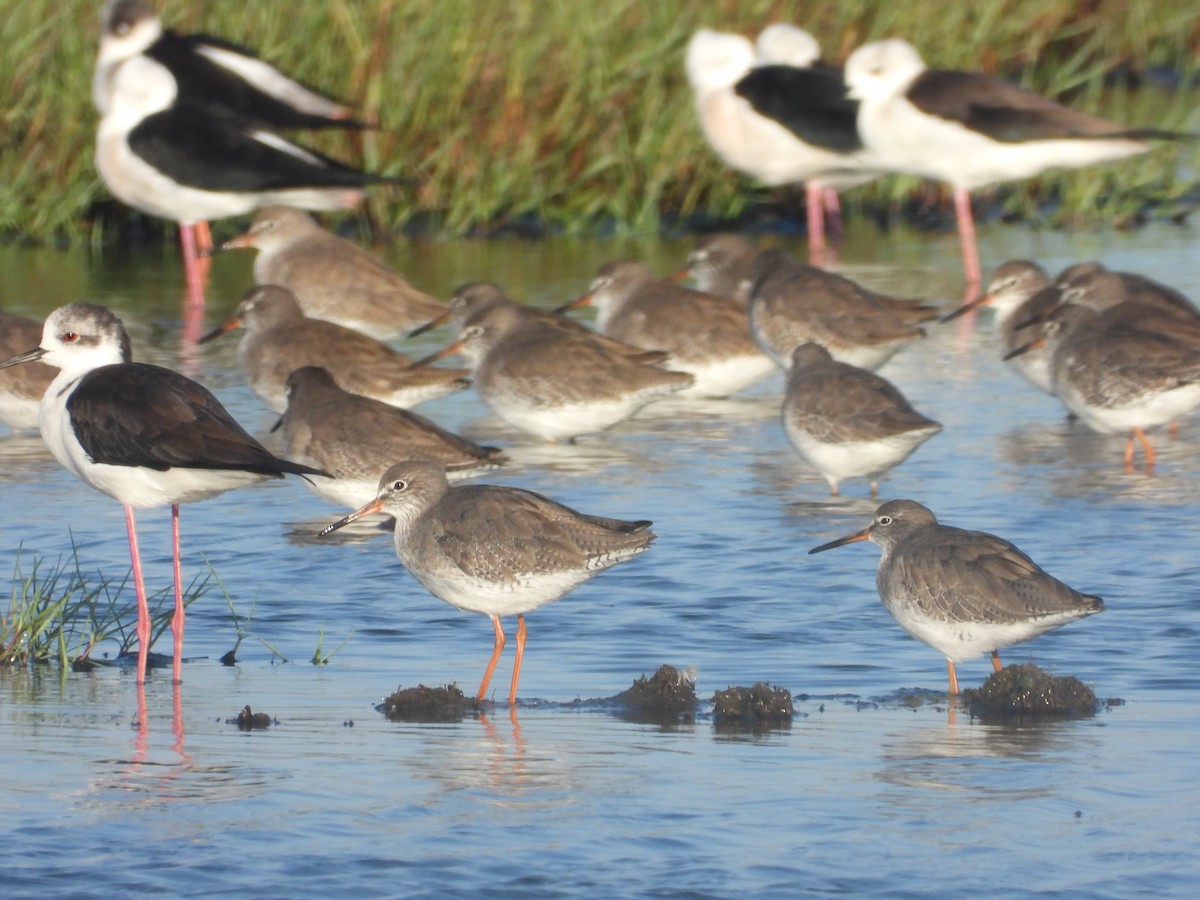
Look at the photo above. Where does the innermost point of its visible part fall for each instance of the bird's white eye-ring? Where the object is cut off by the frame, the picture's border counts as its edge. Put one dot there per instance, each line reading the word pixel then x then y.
pixel 884 520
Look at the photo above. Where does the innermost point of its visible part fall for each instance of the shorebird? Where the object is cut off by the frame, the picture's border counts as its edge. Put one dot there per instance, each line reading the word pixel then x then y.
pixel 964 593
pixel 792 303
pixel 144 435
pixel 333 278
pixel 847 422
pixel 971 129
pixel 499 551
pixel 280 339
pixel 21 389
pixel 1093 285
pixel 779 115
pixel 1118 376
pixel 476 300
pixel 163 155
pixel 706 336
pixel 554 382
pixel 355 439
pixel 721 264
pixel 210 72
pixel 1021 294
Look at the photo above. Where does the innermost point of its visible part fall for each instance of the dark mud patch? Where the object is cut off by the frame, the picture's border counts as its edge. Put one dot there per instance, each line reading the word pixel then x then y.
pixel 429 704
pixel 753 708
pixel 667 696
pixel 248 720
pixel 1024 691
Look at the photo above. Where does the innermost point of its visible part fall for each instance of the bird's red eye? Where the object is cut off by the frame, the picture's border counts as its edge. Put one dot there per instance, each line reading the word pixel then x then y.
pixel 70 337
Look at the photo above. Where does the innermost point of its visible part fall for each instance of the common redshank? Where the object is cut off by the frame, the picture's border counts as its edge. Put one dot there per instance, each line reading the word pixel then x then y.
pixel 721 264
pixel 792 303
pixel 964 593
pixel 355 439
pixel 847 422
pixel 333 278
pixel 553 382
pixel 1118 376
pixel 499 551
pixel 706 335
pixel 280 339
pixel 21 389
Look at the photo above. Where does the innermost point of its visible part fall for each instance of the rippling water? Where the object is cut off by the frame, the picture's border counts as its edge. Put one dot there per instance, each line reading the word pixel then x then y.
pixel 863 794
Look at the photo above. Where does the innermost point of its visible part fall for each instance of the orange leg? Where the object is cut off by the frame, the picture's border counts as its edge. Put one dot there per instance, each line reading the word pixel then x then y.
pixel 966 232
pixel 512 693
pixel 177 619
pixel 497 647
pixel 996 664
pixel 953 678
pixel 1146 447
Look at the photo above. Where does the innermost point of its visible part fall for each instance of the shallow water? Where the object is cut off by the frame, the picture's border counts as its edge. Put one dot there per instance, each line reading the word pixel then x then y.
pixel 864 792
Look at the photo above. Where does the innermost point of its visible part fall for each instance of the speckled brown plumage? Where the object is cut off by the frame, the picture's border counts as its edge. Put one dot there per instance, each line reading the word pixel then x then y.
pixel 962 592
pixel 333 279
pixel 792 303
pixel 496 550
pixel 355 439
pixel 280 339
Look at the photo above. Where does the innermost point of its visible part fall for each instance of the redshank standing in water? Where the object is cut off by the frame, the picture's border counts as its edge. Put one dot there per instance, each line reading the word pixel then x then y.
pixel 355 439
pixel 280 339
pixel 964 593
pixel 848 422
pixel 333 278
pixel 500 551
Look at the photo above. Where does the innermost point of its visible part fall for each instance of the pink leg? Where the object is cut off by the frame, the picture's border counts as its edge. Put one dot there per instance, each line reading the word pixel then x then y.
pixel 139 587
pixel 195 270
pixel 833 212
pixel 177 619
pixel 512 694
pixel 204 241
pixel 966 233
pixel 816 223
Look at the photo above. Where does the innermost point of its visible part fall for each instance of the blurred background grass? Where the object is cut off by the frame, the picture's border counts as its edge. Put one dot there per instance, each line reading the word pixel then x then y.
pixel 563 115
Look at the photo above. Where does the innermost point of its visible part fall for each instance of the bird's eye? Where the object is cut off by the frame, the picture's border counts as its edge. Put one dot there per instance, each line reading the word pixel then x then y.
pixel 884 520
pixel 399 485
pixel 70 337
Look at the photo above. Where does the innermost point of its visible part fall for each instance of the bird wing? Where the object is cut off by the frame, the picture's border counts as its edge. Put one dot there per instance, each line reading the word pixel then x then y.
pixel 1007 113
pixel 523 532
pixel 135 414
pixel 982 577
pixel 811 103
pixel 233 78
pixel 198 149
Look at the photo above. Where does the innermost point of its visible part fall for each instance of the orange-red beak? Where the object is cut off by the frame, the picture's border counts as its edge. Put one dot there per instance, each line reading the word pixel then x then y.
pixel 863 535
pixel 373 507
pixel 231 325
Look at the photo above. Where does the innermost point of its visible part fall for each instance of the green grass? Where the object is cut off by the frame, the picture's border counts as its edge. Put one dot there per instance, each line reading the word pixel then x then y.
pixel 59 614
pixel 578 114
